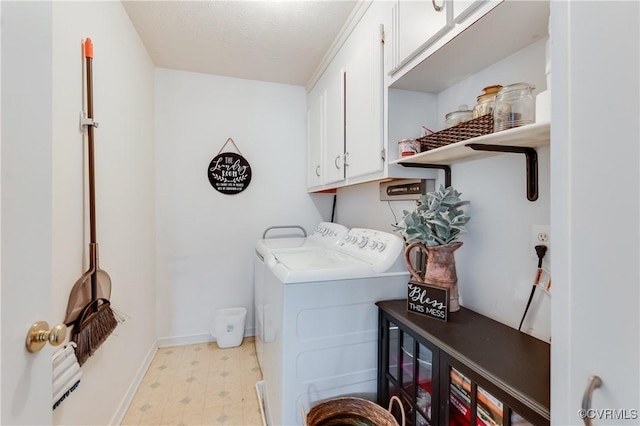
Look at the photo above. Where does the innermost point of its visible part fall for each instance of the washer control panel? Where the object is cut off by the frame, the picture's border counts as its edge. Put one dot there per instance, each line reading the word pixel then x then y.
pixel 328 233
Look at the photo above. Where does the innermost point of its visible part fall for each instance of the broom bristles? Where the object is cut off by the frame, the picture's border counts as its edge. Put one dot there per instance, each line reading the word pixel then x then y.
pixel 90 337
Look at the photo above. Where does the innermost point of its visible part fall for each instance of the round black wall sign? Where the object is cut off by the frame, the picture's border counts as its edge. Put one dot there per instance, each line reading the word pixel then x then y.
pixel 229 173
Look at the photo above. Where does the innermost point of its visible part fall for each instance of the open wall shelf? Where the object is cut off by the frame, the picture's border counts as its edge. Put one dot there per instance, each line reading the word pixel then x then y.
pixel 522 140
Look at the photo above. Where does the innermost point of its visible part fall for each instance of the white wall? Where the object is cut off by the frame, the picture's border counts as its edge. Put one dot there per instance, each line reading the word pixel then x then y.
pixel 206 239
pixel 496 265
pixel 123 106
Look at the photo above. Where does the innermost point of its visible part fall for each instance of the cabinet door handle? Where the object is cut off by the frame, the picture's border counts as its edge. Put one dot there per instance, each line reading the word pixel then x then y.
pixel 318 171
pixel 336 162
pixel 594 383
pixel 436 7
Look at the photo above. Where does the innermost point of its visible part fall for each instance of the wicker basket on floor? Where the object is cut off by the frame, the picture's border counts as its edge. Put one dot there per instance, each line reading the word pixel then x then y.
pixel 350 411
pixel 469 129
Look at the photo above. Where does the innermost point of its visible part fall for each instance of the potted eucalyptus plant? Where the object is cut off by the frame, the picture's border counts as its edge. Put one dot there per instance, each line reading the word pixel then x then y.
pixel 434 227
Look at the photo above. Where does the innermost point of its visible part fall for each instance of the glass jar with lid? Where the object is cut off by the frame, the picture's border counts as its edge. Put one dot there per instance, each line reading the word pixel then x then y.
pixel 456 117
pixel 514 106
pixel 486 101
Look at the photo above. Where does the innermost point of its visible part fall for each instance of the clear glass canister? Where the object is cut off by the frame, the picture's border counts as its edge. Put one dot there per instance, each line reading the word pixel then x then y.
pixel 456 117
pixel 514 106
pixel 486 101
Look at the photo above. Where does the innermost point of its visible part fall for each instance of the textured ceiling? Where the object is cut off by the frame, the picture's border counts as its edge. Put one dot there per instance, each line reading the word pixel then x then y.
pixel 278 41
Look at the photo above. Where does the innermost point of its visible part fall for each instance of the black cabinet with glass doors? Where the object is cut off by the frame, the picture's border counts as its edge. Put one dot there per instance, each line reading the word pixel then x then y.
pixel 468 371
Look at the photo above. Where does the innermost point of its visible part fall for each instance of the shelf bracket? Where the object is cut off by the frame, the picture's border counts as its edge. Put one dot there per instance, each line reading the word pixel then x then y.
pixel 447 170
pixel 532 163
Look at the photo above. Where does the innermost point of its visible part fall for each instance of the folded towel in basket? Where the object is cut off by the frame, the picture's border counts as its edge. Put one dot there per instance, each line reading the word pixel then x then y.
pixel 66 373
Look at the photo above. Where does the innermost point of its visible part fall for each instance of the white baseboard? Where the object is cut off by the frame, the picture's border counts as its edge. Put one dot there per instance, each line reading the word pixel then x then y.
pixel 133 387
pixel 194 339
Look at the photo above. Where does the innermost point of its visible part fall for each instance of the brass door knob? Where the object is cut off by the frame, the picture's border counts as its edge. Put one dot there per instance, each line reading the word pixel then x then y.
pixel 39 334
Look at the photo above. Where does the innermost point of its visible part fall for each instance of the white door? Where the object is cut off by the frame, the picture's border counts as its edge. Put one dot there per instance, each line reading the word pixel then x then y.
pixel 26 221
pixel 595 210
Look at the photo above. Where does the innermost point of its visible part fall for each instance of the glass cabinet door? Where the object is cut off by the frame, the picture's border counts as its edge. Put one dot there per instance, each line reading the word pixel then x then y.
pixel 417 376
pixel 393 356
pixel 424 381
pixel 407 363
pixel 408 378
pixel 518 420
pixel 409 375
pixel 489 409
pixel 459 399
pixel 470 404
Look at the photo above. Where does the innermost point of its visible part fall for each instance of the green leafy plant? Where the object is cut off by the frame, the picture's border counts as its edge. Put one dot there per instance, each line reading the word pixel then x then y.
pixel 437 220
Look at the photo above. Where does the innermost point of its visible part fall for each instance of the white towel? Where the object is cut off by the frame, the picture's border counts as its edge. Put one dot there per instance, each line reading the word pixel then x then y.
pixel 64 353
pixel 66 373
pixel 63 367
pixel 72 381
pixel 64 380
pixel 64 393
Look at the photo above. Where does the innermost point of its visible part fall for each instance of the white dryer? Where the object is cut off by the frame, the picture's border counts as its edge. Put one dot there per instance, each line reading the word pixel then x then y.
pixel 321 322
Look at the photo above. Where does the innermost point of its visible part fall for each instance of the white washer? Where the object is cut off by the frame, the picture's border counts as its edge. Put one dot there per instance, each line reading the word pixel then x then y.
pixel 326 234
pixel 321 322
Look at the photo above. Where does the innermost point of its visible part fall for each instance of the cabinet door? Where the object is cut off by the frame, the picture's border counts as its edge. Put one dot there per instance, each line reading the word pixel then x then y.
pixel 474 401
pixel 315 137
pixel 420 24
pixel 420 384
pixel 335 141
pixel 407 371
pixel 392 40
pixel 364 113
pixel 462 8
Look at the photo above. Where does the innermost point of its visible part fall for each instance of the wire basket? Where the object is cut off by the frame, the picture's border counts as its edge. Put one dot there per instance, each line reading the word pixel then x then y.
pixel 351 411
pixel 482 125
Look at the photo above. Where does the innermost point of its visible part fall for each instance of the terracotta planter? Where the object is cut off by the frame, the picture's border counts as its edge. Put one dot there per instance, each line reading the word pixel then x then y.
pixel 440 269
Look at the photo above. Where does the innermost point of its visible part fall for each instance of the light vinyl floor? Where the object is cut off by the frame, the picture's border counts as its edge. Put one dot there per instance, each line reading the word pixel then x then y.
pixel 199 385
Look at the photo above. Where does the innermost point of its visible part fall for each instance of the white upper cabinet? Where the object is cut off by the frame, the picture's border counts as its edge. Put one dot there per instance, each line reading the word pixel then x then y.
pixel 345 110
pixel 489 32
pixel 335 142
pixel 421 22
pixel 364 102
pixel 315 136
pixel 417 24
pixel 325 131
pixel 462 8
pixel 401 50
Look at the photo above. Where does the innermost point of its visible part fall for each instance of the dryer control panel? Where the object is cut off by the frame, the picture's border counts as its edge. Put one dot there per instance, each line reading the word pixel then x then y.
pixel 381 249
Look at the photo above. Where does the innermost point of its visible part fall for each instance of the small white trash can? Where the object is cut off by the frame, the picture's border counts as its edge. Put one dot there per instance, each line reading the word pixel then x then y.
pixel 228 327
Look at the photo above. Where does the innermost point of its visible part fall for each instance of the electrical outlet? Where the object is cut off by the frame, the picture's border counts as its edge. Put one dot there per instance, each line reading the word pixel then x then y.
pixel 540 235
